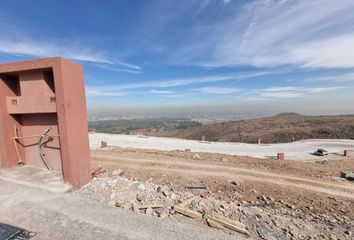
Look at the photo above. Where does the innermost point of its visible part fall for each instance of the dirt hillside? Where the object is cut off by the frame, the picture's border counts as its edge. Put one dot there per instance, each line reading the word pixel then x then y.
pixel 284 127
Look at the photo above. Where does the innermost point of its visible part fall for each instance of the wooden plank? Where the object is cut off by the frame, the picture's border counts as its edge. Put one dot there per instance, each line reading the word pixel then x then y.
pixel 188 212
pixel 214 224
pixel 224 219
pixel 231 224
pixel 213 220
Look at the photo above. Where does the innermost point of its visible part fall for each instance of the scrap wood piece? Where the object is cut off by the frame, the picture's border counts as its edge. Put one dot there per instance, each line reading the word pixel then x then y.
pixel 214 224
pixel 229 223
pixel 221 217
pixel 231 226
pixel 97 172
pixel 188 212
pixel 214 220
pixel 151 206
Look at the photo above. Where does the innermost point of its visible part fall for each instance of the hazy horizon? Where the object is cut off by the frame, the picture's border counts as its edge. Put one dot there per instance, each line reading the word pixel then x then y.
pixel 302 106
pixel 200 56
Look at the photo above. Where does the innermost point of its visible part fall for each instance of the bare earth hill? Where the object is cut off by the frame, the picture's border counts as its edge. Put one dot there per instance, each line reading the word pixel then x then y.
pixel 284 127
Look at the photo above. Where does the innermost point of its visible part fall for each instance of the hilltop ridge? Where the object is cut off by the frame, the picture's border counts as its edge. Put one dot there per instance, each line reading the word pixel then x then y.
pixel 281 128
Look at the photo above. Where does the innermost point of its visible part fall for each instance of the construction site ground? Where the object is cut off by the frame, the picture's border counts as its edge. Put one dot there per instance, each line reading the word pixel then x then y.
pixel 309 197
pixel 50 213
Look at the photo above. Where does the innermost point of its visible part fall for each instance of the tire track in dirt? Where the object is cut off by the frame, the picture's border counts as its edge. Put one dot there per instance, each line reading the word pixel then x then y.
pixel 190 168
pixel 346 186
pixel 243 177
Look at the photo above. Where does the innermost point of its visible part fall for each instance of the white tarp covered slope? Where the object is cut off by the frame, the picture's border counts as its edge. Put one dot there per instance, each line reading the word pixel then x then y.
pixel 300 150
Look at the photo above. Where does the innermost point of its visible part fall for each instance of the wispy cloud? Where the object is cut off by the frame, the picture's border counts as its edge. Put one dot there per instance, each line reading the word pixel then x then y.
pixel 94 92
pixel 179 82
pixel 206 3
pixel 282 94
pixel 16 40
pixel 42 49
pixel 119 68
pixel 218 90
pixel 266 33
pixel 26 47
pixel 334 52
pixel 346 77
pixel 293 92
pixel 160 91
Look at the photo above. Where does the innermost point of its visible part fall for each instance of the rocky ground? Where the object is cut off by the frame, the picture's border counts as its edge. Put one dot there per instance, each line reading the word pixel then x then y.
pixel 266 216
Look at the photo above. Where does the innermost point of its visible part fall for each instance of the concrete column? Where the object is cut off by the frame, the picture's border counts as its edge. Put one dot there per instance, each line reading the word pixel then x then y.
pixel 281 156
pixel 103 144
pixel 346 153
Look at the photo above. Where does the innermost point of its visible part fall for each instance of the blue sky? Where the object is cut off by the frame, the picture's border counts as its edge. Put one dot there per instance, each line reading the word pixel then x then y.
pixel 284 55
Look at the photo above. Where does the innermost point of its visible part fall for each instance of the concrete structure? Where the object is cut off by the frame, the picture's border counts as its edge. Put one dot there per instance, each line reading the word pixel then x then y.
pixel 103 144
pixel 346 153
pixel 43 119
pixel 281 156
pixel 32 176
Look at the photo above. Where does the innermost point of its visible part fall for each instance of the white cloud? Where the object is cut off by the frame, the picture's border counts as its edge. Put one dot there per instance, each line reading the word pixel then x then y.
pixel 336 52
pixel 115 68
pixel 282 94
pixel 346 77
pixel 179 82
pixel 279 89
pixel 321 89
pixel 204 4
pixel 94 92
pixel 160 91
pixel 267 33
pixel 36 48
pixel 293 92
pixel 18 42
pixel 218 90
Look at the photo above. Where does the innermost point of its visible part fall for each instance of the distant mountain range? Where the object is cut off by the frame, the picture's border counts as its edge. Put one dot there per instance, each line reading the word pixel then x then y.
pixel 284 127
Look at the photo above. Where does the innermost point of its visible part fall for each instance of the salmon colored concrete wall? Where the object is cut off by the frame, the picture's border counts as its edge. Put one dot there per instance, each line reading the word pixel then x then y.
pixel 34 124
pixel 34 88
pixel 35 95
pixel 8 155
pixel 73 125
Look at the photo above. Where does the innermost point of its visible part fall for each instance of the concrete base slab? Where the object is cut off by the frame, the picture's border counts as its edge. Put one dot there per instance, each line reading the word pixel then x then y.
pixel 32 176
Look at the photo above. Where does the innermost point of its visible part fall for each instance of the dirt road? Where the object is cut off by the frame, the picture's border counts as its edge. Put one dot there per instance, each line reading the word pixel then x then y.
pixel 201 168
pixel 302 184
